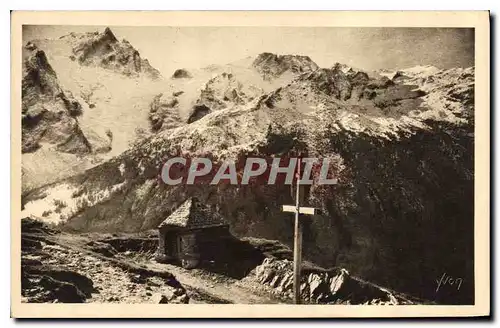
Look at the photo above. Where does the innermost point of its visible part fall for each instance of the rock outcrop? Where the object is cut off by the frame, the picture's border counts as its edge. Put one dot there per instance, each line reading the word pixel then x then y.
pixel 181 73
pixel 272 66
pixel 320 286
pixel 105 50
pixel 379 96
pixel 222 91
pixel 332 82
pixel 48 113
pixel 164 112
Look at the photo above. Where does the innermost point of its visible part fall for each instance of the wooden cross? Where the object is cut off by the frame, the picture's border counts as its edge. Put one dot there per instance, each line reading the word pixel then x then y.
pixel 297 238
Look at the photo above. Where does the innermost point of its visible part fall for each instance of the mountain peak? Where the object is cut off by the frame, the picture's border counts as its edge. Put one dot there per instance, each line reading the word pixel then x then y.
pixel 346 69
pixel 271 65
pixel 108 34
pixel 332 81
pixel 105 50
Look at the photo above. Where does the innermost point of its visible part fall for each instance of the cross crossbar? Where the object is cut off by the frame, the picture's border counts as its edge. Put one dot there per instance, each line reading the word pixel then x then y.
pixel 302 210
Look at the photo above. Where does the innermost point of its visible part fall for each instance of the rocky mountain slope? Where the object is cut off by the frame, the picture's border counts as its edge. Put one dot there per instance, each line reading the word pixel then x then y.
pixel 84 96
pixel 104 50
pixel 402 145
pixel 48 113
pixel 110 98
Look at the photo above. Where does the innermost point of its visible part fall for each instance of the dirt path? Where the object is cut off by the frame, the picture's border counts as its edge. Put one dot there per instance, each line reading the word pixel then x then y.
pixel 201 286
pixel 227 289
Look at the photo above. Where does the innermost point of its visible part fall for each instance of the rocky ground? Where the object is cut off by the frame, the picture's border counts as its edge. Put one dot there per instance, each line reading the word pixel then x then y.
pixel 319 286
pixel 58 267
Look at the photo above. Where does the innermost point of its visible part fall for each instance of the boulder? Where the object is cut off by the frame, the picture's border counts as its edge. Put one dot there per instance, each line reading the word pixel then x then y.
pixel 84 284
pixel 102 248
pixel 159 299
pixel 181 74
pixel 60 291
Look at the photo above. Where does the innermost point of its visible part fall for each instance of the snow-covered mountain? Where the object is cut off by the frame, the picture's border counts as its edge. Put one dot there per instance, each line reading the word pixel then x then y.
pixel 403 144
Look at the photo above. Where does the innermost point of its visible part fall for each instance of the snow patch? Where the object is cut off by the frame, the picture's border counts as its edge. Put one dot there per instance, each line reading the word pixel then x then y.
pixel 350 122
pixel 144 189
pixel 63 201
pixel 140 167
pixel 57 203
pixel 421 71
pixel 122 168
pixel 387 73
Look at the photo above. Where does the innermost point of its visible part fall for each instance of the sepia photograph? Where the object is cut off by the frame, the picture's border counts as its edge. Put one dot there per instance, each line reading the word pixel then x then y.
pixel 251 164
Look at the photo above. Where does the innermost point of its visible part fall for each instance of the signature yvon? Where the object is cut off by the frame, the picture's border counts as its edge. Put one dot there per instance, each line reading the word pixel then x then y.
pixel 450 281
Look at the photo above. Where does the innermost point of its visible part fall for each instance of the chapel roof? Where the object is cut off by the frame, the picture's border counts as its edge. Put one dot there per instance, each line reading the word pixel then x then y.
pixel 192 214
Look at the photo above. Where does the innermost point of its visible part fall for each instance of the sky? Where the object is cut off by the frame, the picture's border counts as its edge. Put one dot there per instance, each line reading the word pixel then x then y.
pixel 168 48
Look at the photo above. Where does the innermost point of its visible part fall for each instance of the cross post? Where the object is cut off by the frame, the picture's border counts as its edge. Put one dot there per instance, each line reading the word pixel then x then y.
pixel 297 236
